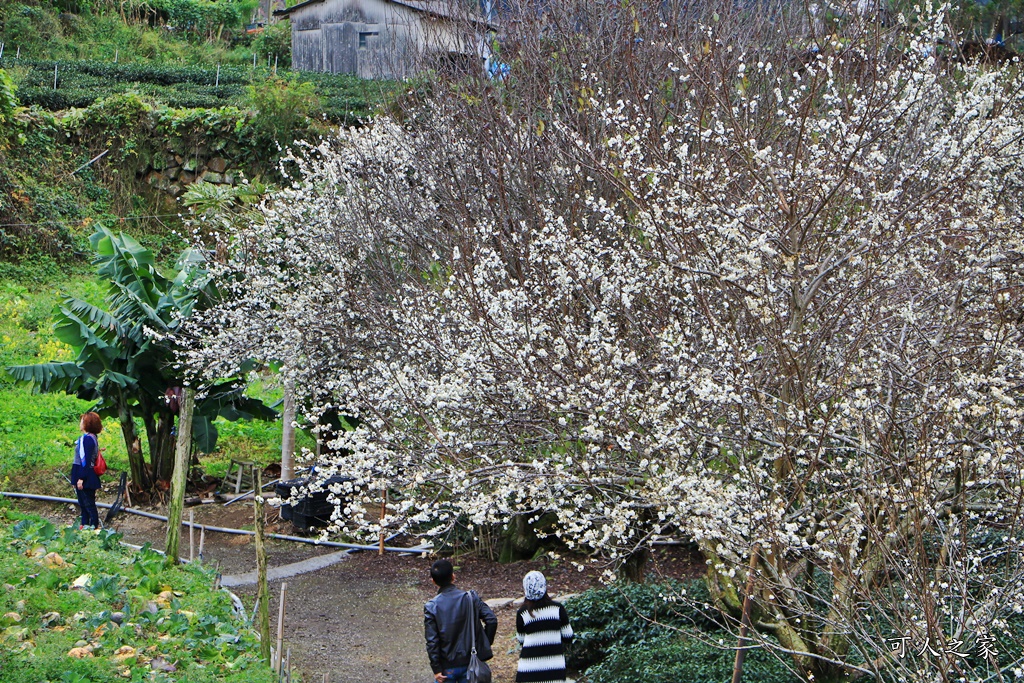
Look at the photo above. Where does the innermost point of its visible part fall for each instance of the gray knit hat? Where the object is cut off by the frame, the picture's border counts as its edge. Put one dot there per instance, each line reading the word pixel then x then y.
pixel 534 586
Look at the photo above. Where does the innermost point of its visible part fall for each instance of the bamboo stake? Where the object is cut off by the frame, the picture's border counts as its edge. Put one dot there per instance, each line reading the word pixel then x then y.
pixel 741 646
pixel 275 65
pixel 327 678
pixel 217 82
pixel 115 56
pixel 288 667
pixel 262 596
pixel 280 629
pixel 191 535
pixel 202 541
pixel 54 76
pixel 2 50
pixel 17 53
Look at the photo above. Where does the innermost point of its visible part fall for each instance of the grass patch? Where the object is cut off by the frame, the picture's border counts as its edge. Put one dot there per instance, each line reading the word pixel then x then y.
pixel 65 590
pixel 38 431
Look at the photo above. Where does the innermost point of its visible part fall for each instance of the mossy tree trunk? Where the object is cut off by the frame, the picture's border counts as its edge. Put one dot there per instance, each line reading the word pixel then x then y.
pixel 182 452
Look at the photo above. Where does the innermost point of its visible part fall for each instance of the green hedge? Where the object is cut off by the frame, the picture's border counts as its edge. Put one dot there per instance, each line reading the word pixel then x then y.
pixel 633 632
pixel 343 98
pixel 685 660
pixel 630 613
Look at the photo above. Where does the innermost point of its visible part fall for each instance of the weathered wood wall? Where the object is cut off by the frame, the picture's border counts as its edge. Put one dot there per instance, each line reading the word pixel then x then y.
pixel 370 38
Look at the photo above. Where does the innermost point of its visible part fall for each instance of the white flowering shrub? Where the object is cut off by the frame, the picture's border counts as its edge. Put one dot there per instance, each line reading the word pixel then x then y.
pixel 683 279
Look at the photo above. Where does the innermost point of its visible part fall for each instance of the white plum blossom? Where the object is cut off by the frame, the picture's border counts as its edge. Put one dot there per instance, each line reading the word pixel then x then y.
pixel 775 311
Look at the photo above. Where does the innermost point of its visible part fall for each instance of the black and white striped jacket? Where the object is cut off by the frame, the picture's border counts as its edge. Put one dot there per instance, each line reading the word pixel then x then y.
pixel 543 635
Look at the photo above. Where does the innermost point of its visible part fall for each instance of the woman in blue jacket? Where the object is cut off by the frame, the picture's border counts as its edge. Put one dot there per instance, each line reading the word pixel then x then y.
pixel 83 476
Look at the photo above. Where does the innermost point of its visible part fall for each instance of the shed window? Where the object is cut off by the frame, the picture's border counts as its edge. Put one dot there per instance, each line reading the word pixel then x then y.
pixel 364 37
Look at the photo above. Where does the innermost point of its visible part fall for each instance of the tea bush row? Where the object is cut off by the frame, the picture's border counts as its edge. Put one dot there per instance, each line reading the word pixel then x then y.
pixel 342 98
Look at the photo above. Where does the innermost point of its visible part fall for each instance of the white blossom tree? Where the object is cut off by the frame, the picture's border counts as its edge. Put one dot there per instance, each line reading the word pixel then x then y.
pixel 757 287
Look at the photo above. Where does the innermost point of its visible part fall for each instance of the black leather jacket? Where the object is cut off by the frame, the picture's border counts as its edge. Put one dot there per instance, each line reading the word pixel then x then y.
pixel 448 641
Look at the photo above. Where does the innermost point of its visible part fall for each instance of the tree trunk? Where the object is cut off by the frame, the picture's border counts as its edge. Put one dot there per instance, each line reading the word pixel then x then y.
pixel 178 480
pixel 288 432
pixel 136 461
pixel 161 445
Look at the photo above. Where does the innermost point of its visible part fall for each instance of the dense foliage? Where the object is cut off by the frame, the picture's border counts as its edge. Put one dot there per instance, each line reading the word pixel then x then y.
pixel 633 631
pixel 76 606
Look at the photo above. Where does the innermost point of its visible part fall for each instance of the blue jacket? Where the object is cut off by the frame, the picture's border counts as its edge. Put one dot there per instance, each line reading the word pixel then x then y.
pixel 87 445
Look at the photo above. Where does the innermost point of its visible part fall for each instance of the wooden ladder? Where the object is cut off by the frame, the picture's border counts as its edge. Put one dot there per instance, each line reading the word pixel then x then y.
pixel 240 475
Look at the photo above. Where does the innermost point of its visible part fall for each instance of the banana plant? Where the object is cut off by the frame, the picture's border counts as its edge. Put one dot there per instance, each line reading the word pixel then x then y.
pixel 124 353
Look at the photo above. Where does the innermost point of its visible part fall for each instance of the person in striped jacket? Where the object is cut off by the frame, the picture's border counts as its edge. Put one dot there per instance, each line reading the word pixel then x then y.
pixel 543 629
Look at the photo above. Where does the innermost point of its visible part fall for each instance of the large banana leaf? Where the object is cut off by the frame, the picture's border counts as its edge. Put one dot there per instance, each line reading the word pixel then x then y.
pixel 204 433
pixel 99 318
pixel 49 377
pixel 79 333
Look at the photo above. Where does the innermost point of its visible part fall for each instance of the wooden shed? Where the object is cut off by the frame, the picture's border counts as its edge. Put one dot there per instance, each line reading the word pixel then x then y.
pixel 384 38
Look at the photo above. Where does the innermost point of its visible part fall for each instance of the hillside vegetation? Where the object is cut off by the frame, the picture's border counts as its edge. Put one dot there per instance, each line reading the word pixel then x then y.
pixel 92 93
pixel 76 606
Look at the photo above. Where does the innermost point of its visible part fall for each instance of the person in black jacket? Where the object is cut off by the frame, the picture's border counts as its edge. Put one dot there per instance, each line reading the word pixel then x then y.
pixel 449 637
pixel 83 477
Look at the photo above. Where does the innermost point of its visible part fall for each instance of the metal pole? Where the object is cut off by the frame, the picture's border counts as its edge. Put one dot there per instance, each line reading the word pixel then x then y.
pixel 240 532
pixel 236 498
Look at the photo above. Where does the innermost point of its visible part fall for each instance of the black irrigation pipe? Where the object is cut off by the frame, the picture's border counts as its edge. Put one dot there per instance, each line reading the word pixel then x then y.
pixel 223 530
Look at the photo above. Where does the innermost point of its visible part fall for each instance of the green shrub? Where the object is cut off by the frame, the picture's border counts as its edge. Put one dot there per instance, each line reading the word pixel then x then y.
pixel 274 39
pixel 629 614
pixel 282 109
pixel 685 660
pixel 7 104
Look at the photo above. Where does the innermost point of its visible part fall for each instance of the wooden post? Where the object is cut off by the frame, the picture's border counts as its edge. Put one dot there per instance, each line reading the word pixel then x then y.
pixel 383 512
pixel 288 432
pixel 741 646
pixel 182 453
pixel 280 629
pixel 262 596
pixel 191 535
